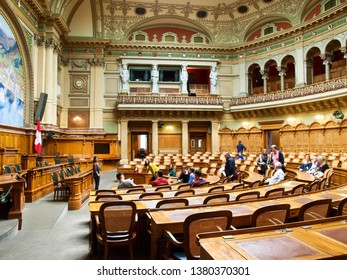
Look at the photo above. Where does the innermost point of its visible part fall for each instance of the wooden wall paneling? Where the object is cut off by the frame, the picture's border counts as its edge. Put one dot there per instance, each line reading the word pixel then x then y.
pixel 241 134
pixel 170 143
pixel 331 138
pixel 317 137
pixel 226 140
pixel 343 136
pixel 255 144
pixel 287 138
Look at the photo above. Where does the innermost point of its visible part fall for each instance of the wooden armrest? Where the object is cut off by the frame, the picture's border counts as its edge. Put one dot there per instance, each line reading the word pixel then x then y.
pixel 232 227
pixel 171 238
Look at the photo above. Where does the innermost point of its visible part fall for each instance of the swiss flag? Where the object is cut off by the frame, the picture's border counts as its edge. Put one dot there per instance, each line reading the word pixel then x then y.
pixel 38 138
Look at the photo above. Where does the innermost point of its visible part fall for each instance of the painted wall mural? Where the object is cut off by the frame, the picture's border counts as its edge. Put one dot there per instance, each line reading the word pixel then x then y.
pixel 12 89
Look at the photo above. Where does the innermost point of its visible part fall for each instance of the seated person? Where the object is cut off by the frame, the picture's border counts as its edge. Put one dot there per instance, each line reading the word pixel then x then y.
pixel 172 171
pixel 191 175
pixel 278 175
pixel 306 164
pixel 314 165
pixel 322 166
pixel 263 162
pixel 198 181
pixel 159 181
pixel 125 183
pixel 184 176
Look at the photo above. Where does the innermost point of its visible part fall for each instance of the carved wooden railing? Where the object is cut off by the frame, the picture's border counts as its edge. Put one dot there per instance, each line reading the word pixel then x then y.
pixel 291 93
pixel 174 100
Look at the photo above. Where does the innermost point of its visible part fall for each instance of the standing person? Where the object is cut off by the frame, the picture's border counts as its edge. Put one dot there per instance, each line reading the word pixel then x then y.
pixel 240 149
pixel 263 162
pixel 277 156
pixel 151 166
pixel 229 167
pixel 96 172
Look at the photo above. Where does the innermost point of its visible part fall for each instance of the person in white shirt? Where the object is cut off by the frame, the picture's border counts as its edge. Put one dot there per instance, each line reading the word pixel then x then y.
pixel 278 175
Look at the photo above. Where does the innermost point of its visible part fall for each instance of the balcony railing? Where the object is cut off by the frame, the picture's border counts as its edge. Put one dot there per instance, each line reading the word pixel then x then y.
pixel 291 93
pixel 173 100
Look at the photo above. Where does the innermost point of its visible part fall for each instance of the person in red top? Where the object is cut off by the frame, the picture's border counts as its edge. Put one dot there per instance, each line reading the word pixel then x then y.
pixel 198 181
pixel 160 180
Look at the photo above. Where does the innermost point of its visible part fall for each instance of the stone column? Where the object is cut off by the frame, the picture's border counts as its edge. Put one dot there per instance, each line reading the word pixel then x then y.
pixel 344 50
pixel 215 136
pixel 300 66
pixel 326 62
pixel 65 88
pixel 49 88
pixel 309 71
pixel 249 83
pixel 185 141
pixel 155 79
pixel 264 76
pixel 184 80
pixel 124 142
pixel 155 137
pixel 282 73
pixel 96 93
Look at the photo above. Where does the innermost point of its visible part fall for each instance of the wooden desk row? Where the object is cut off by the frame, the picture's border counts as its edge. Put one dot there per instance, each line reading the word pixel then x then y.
pixel 299 241
pixel 17 195
pixel 172 220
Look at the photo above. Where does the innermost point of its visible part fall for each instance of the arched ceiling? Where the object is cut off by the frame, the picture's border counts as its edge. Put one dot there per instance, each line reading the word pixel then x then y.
pixel 226 22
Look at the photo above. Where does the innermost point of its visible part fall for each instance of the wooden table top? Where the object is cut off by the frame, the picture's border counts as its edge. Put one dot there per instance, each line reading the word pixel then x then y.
pixel 239 209
pixel 319 241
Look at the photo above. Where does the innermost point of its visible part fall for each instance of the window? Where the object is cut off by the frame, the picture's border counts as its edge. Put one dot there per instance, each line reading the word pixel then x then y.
pixel 330 4
pixel 169 37
pixel 268 30
pixel 169 74
pixel 140 74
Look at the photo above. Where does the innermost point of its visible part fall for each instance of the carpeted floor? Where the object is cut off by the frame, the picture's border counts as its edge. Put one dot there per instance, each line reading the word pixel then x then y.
pixel 51 232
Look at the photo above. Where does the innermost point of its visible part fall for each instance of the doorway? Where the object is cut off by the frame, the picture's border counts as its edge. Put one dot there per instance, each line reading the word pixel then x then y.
pixel 271 137
pixel 197 142
pixel 139 145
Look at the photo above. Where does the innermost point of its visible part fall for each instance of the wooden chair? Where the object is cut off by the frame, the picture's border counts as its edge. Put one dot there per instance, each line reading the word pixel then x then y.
pixel 6 203
pixel 277 192
pixel 151 195
pixel 188 192
pixel 192 225
pixel 322 184
pixel 60 189
pixel 184 186
pixel 136 190
pixel 163 188
pixel 116 225
pixel 342 207
pixel 172 203
pixel 216 189
pixel 328 181
pixel 216 198
pixel 108 197
pixel 17 167
pixel 298 189
pixel 238 187
pixel 254 184
pixel 270 215
pixel 313 186
pixel 7 169
pixel 247 195
pixel 314 210
pixel 105 192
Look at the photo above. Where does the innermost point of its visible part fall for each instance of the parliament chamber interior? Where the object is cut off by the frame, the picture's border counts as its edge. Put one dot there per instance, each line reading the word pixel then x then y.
pixel 173 130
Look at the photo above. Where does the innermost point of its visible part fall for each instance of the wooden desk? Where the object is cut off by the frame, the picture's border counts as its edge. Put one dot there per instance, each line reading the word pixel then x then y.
pixel 173 219
pixel 80 185
pixel 325 240
pixel 304 177
pixel 17 195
